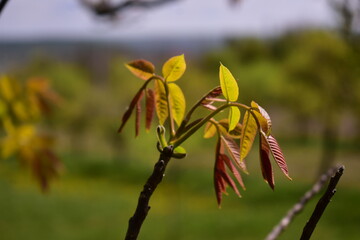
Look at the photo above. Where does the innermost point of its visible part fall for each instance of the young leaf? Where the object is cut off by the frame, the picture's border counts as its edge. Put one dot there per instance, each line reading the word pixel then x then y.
pixel 210 130
pixel 233 169
pixel 160 133
pixel 234 117
pixel 141 68
pixel 263 118
pixel 150 108
pixel 266 168
pixel 177 102
pixel 211 96
pixel 226 176
pixel 278 155
pixel 248 134
pixel 174 68
pixel 161 102
pixel 219 182
pixel 179 152
pixel 233 149
pixel 128 112
pixel 228 84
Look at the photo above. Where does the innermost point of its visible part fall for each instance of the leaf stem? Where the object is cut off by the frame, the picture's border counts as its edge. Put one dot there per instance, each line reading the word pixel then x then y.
pixel 191 111
pixel 191 131
pixel 171 118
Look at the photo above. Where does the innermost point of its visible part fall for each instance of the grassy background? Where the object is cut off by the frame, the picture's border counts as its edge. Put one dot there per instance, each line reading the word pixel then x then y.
pixel 95 197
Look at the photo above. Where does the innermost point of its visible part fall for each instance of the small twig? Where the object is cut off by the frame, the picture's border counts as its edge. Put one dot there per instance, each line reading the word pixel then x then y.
pixel 299 206
pixel 2 5
pixel 322 204
pixel 143 207
pixel 103 7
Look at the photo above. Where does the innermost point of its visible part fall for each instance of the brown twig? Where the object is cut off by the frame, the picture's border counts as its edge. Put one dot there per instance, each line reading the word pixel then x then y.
pixel 143 207
pixel 322 204
pixel 2 5
pixel 103 7
pixel 299 206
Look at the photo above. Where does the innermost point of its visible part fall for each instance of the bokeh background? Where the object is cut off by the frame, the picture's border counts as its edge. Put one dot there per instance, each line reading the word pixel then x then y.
pixel 298 59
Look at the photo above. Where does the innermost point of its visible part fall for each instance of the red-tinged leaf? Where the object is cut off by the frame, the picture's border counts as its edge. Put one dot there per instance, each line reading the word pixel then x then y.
pixel 228 179
pixel 210 107
pixel 265 163
pixel 263 118
pixel 141 68
pixel 161 102
pixel 150 108
pixel 234 151
pixel 233 169
pixel 128 112
pixel 219 186
pixel 138 116
pixel 249 131
pixel 210 97
pixel 278 155
pixel 219 183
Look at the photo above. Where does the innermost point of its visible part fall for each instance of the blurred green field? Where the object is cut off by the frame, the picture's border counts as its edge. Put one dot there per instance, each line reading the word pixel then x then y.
pixel 95 197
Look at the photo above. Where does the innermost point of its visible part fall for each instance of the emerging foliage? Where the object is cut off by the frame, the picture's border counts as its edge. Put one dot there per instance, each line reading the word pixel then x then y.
pixel 234 139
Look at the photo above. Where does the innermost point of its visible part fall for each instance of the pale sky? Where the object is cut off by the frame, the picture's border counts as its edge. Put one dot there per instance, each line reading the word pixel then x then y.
pixel 43 19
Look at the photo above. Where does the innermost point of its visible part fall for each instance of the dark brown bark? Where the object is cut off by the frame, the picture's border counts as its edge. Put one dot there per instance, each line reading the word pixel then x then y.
pixel 143 207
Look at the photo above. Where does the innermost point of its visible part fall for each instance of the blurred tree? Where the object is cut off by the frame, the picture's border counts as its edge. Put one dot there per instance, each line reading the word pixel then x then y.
pixel 22 106
pixel 321 82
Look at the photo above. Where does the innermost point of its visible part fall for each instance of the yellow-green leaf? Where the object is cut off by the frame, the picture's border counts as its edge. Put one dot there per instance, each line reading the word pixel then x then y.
pixel 228 84
pixel 177 102
pixel 234 117
pixel 248 134
pixel 179 152
pixel 141 68
pixel 210 130
pixel 161 103
pixel 174 68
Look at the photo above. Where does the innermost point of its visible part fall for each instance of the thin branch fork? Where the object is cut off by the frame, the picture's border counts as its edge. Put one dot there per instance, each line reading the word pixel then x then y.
pixel 143 207
pixel 334 173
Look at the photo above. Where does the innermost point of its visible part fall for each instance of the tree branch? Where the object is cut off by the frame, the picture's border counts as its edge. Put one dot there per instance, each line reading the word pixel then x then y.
pixel 299 206
pixel 322 204
pixel 2 5
pixel 104 7
pixel 143 207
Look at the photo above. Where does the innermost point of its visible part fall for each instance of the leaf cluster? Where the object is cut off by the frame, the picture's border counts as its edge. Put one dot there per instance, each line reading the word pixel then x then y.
pixel 22 106
pixel 235 134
